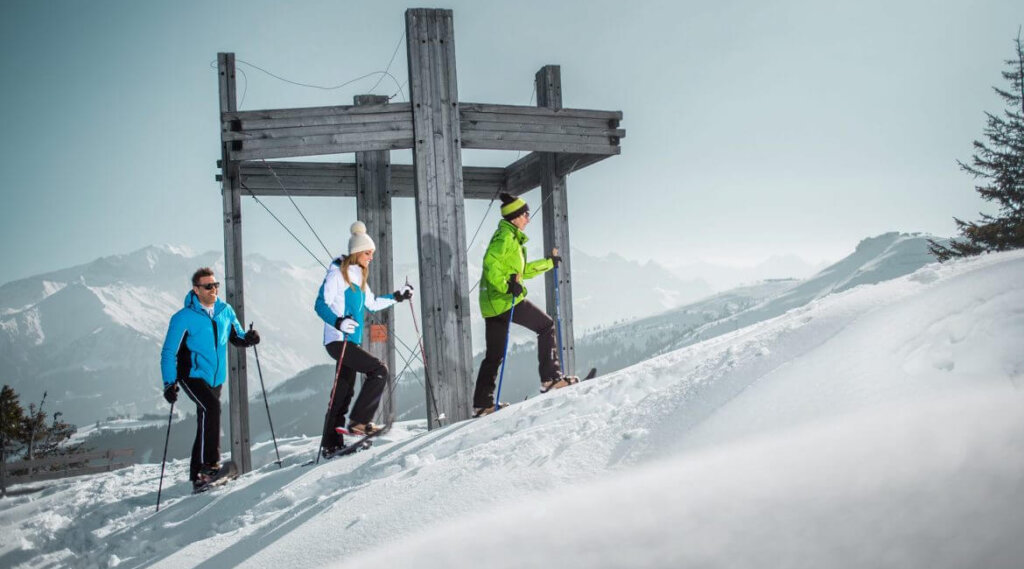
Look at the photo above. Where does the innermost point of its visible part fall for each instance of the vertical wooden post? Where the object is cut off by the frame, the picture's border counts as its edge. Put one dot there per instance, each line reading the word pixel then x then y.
pixel 373 207
pixel 556 220
pixel 238 391
pixel 440 214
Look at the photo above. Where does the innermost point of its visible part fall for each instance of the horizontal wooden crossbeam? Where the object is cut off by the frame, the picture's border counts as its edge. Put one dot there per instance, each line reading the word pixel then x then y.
pixel 286 133
pixel 339 180
pixel 523 175
pixel 311 179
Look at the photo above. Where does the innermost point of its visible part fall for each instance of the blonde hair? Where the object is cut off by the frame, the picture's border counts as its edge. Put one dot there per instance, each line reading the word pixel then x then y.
pixel 347 262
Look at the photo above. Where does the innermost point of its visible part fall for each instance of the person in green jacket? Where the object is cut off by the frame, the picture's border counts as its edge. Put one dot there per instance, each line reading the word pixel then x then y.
pixel 504 269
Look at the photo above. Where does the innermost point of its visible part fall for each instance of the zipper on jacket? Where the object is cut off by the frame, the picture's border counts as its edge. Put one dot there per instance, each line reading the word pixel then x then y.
pixel 216 353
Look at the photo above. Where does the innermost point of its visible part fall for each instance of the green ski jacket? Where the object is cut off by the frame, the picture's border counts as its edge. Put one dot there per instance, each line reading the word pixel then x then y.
pixel 506 256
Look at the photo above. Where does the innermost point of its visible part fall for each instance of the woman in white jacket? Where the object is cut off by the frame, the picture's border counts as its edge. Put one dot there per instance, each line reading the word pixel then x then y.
pixel 343 300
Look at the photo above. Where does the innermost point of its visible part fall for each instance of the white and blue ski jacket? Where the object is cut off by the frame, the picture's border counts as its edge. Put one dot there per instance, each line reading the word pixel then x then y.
pixel 196 344
pixel 337 299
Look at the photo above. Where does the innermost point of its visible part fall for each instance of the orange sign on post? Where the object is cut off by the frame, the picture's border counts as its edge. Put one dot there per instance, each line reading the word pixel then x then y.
pixel 378 333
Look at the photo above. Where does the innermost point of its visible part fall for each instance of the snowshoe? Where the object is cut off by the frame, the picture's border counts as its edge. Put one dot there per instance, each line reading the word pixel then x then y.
pixel 484 411
pixel 214 475
pixel 363 429
pixel 558 383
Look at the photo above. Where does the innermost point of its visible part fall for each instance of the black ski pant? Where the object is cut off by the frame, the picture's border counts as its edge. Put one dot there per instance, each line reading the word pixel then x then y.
pixel 496 332
pixel 206 448
pixel 357 360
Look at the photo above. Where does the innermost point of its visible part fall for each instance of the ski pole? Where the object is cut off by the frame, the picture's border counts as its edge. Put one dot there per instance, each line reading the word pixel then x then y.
pixel 167 440
pixel 504 355
pixel 265 403
pixel 437 416
pixel 327 416
pixel 558 314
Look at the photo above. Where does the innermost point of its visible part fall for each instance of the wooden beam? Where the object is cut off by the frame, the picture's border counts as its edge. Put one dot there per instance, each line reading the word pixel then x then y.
pixel 251 135
pixel 324 179
pixel 528 141
pixel 373 207
pixel 540 111
pixel 324 145
pixel 523 175
pixel 238 391
pixel 440 215
pixel 540 120
pixel 338 111
pixel 542 128
pixel 555 207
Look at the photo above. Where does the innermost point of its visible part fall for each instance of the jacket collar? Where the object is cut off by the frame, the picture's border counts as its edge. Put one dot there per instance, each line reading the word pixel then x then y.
pixel 192 301
pixel 519 235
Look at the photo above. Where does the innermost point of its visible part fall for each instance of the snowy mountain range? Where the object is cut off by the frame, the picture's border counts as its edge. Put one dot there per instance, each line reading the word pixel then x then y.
pixel 613 347
pixel 90 335
pixel 724 277
pixel 875 426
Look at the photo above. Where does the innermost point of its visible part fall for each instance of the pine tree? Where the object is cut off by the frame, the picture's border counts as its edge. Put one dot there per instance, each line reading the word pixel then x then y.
pixel 25 432
pixel 11 420
pixel 1000 163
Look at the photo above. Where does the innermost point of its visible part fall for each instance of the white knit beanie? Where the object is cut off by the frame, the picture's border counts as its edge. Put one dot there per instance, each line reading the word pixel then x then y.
pixel 359 241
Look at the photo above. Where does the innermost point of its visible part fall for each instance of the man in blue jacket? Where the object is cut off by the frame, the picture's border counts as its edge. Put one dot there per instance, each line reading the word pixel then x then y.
pixel 195 355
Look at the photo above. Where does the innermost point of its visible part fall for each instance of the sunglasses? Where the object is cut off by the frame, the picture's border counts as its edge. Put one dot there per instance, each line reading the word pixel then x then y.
pixel 208 286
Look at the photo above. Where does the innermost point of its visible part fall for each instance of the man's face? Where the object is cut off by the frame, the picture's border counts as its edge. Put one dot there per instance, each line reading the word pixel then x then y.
pixel 207 289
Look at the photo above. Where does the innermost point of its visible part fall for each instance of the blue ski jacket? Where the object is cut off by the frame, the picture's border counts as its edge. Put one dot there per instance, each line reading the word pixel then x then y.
pixel 196 344
pixel 338 299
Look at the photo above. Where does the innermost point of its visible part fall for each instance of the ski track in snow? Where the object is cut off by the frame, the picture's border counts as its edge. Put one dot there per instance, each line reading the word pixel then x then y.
pixel 926 335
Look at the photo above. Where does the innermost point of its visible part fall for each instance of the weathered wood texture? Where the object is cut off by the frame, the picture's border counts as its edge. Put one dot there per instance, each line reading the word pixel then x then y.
pixel 373 207
pixel 284 133
pixel 440 217
pixel 555 207
pixel 238 390
pixel 325 179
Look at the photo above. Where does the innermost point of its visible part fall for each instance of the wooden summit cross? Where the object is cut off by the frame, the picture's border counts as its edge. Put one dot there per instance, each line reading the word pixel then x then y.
pixel 436 126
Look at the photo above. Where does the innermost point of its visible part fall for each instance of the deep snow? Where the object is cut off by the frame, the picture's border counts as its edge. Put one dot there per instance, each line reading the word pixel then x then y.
pixel 882 426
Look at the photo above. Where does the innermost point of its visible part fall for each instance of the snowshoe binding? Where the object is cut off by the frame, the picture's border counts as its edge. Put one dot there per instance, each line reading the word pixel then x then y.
pixel 484 411
pixel 213 475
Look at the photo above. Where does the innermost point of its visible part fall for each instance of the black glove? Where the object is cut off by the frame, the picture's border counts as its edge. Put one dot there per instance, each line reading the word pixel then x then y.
pixel 404 293
pixel 252 337
pixel 171 393
pixel 557 260
pixel 514 288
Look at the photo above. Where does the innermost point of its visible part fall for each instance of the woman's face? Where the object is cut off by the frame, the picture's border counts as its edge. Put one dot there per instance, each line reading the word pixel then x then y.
pixel 363 258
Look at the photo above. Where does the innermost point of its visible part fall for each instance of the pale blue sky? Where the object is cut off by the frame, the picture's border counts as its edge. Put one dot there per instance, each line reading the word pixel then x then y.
pixel 753 128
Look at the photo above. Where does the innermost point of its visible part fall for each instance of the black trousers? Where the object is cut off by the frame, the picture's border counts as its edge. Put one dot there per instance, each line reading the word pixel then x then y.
pixel 496 331
pixel 357 360
pixel 206 448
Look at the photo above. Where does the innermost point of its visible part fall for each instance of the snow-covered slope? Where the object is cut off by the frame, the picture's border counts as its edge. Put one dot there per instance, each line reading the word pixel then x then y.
pixel 882 426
